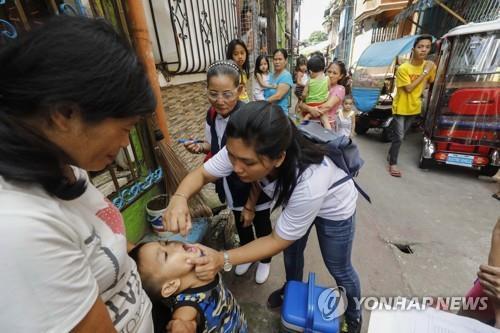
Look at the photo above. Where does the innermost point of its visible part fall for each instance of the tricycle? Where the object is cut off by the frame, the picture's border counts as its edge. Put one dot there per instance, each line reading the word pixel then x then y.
pixel 462 122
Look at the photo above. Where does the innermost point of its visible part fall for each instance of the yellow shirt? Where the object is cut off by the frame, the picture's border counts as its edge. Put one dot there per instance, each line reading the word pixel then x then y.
pixel 244 94
pixel 405 103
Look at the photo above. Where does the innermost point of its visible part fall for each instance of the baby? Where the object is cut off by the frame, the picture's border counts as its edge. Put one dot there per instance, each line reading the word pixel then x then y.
pixel 316 90
pixel 167 276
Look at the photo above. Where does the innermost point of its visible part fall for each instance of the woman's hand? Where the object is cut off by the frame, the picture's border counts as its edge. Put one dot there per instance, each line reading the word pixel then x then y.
pixel 209 264
pixel 314 111
pixel 194 148
pixel 489 278
pixel 247 216
pixel 177 218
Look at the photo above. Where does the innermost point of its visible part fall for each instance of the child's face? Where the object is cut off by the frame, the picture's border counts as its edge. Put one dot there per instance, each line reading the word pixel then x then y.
pixel 303 68
pixel 223 94
pixel 347 104
pixel 239 55
pixel 334 73
pixel 263 66
pixel 166 261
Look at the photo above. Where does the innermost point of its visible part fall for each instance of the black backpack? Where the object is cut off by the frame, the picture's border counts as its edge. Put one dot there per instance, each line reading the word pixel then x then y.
pixel 340 149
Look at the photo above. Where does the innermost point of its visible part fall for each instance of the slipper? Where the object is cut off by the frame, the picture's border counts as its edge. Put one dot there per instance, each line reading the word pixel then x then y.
pixel 394 172
pixel 496 196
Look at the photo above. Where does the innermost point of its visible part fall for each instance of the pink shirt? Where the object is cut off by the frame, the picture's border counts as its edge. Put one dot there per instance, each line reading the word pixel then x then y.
pixel 339 91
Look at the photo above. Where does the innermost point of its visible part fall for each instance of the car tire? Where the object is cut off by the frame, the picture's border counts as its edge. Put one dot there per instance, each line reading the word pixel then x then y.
pixel 488 170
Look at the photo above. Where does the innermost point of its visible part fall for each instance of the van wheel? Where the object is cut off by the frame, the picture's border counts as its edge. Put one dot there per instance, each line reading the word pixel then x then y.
pixel 361 129
pixel 425 163
pixel 488 170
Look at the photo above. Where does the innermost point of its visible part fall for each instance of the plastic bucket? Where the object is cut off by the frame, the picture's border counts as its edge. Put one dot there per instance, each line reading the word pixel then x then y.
pixel 155 208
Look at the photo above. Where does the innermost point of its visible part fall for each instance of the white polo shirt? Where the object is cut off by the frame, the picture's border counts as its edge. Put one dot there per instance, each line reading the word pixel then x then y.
pixel 220 129
pixel 310 198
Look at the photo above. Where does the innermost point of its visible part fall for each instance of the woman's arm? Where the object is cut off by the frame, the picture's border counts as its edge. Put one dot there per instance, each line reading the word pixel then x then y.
pixel 263 83
pixel 281 91
pixel 330 103
pixel 96 320
pixel 213 261
pixel 312 110
pixel 177 217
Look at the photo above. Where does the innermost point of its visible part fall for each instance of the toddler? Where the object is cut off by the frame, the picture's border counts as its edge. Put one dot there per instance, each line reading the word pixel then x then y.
pixel 167 276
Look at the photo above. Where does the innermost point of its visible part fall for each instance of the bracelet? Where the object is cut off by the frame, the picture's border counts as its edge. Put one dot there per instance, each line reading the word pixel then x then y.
pixel 250 210
pixel 180 195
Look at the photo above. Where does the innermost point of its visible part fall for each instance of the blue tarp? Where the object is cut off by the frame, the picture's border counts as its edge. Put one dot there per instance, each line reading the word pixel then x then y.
pixel 365 98
pixel 382 54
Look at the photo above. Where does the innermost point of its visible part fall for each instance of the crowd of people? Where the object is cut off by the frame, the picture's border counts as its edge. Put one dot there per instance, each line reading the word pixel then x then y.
pixel 67 263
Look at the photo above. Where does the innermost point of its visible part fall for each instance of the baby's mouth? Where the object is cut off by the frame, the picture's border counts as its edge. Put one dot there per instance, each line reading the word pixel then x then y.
pixel 192 249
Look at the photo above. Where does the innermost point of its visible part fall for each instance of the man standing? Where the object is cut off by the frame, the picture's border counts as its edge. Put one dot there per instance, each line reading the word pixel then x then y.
pixel 411 80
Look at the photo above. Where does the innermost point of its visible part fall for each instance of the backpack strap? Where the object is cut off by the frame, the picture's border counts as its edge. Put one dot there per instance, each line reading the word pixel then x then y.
pixel 360 190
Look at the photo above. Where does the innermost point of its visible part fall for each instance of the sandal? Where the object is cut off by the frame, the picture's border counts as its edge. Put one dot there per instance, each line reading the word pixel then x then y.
pixel 496 196
pixel 394 172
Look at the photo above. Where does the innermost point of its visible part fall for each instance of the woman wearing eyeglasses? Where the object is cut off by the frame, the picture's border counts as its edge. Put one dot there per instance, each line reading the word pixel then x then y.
pixel 250 207
pixel 282 79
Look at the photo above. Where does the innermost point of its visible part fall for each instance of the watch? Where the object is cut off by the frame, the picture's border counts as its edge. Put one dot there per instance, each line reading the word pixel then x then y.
pixel 227 265
pixel 425 72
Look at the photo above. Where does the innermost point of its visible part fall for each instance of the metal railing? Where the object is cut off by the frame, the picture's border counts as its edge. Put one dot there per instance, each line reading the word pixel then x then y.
pixel 384 34
pixel 199 29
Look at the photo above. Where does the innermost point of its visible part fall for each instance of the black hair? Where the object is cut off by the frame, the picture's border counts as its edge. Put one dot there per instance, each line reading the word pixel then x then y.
pixel 266 128
pixel 229 54
pixel 301 60
pixel 316 64
pixel 151 287
pixel 282 51
pixel 343 71
pixel 70 62
pixel 420 38
pixel 348 97
pixel 257 64
pixel 224 68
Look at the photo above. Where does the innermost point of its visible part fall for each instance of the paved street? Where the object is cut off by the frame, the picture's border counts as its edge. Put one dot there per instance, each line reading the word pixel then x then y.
pixel 446 216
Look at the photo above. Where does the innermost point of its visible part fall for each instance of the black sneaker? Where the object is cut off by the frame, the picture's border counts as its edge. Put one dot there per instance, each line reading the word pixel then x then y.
pixel 275 300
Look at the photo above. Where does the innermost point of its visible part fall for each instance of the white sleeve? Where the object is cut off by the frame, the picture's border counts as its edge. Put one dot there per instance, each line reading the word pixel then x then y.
pixel 46 283
pixel 301 210
pixel 219 165
pixel 208 134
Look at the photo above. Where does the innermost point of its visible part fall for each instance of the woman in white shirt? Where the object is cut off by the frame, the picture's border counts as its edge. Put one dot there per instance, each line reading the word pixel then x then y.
pixel 70 92
pixel 264 145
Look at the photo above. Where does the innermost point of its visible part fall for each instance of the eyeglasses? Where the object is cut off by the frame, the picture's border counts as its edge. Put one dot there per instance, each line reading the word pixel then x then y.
pixel 226 95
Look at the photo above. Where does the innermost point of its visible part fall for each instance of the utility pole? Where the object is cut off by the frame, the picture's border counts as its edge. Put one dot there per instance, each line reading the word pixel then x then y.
pixel 271 26
pixel 142 44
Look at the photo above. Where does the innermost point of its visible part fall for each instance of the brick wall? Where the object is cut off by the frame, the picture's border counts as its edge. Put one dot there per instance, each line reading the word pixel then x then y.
pixel 186 106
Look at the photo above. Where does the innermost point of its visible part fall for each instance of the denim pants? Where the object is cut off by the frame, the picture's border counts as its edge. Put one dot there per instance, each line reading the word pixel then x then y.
pixel 399 126
pixel 335 241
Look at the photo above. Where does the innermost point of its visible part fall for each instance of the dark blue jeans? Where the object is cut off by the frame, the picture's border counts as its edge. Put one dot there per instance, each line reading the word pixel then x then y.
pixel 335 241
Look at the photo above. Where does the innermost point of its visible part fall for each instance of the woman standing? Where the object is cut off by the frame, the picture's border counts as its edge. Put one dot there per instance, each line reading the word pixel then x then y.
pixel 282 79
pixel 70 93
pixel 264 145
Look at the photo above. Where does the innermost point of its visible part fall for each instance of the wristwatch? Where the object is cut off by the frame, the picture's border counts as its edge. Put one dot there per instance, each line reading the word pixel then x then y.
pixel 425 72
pixel 227 265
